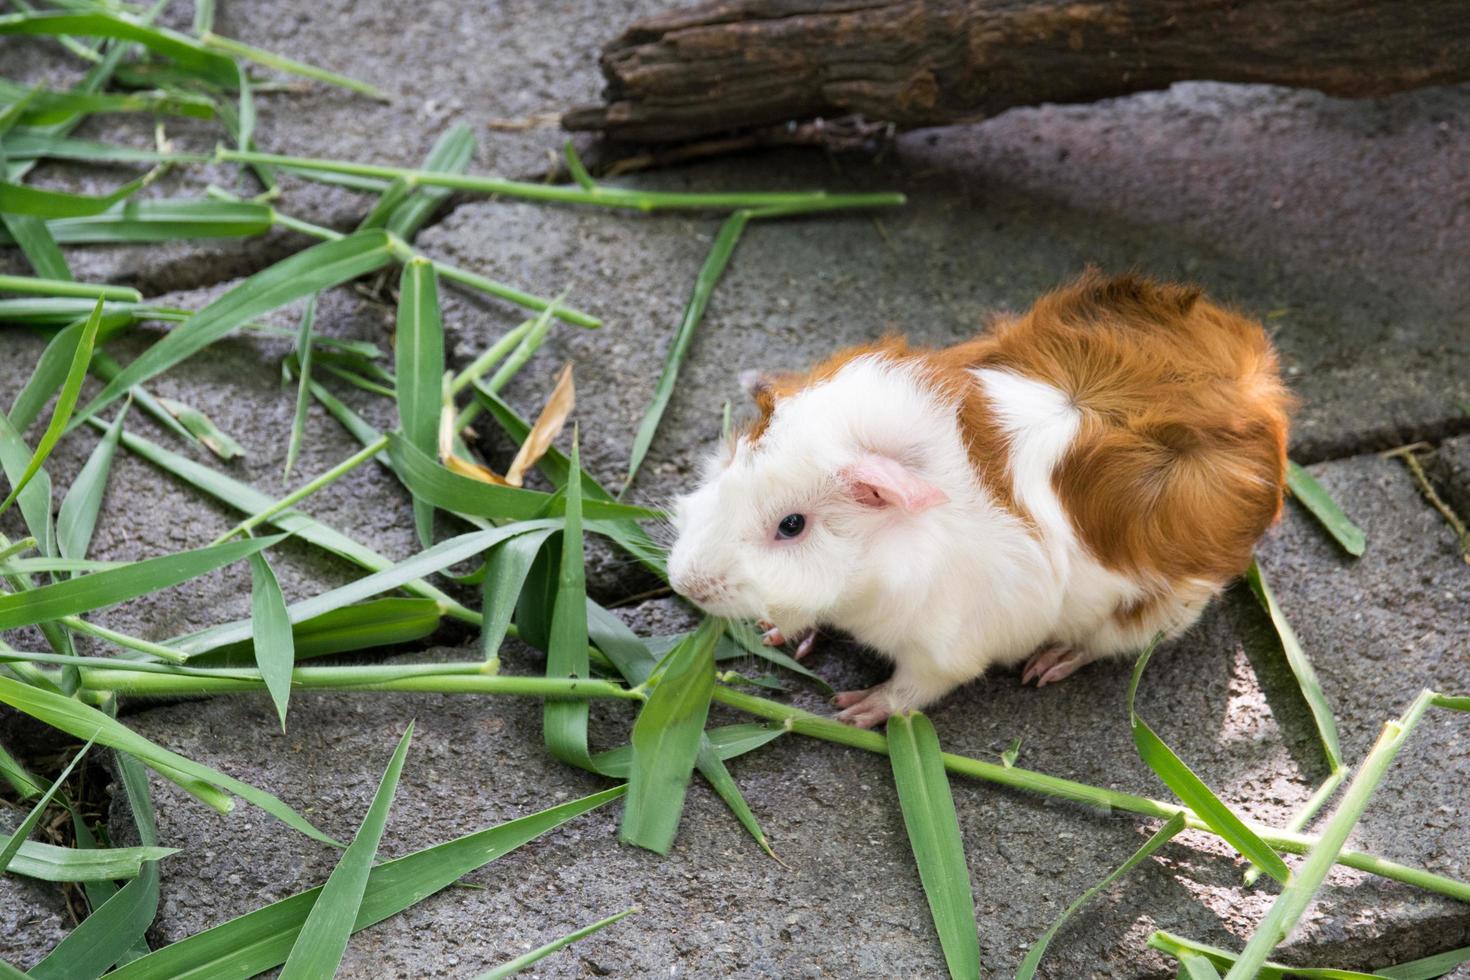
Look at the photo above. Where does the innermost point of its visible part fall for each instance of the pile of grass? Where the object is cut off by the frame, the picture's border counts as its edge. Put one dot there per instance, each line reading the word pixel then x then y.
pixel 528 546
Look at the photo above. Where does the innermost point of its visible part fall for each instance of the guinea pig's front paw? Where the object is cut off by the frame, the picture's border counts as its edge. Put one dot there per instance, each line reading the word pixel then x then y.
pixel 865 709
pixel 772 636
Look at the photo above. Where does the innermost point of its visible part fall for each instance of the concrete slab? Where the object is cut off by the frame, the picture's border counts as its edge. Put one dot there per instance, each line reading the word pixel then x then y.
pixel 33 918
pixel 850 903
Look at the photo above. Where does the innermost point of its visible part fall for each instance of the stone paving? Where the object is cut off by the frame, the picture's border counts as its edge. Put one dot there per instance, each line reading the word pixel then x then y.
pixel 1342 224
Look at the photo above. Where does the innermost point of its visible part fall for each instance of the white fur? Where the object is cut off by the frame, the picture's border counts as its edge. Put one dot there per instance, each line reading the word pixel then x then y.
pixel 945 593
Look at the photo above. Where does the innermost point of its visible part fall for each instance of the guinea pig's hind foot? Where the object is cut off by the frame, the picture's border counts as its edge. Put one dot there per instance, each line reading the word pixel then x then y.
pixel 1054 662
pixel 864 709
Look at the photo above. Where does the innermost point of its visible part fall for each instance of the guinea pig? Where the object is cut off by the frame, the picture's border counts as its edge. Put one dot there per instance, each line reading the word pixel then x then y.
pixel 1062 487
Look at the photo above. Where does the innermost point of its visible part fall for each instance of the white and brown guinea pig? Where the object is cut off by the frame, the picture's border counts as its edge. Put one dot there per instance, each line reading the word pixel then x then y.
pixel 1060 488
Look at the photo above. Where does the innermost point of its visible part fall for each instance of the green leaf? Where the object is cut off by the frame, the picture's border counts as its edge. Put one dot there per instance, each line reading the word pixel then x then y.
pixel 202 428
pixel 392 196
pixel 429 481
pixel 107 588
pixel 1194 967
pixel 319 945
pixel 666 741
pixel 1301 666
pixel 115 929
pixel 1166 833
pixel 48 862
pixel 51 369
pixel 65 402
pixel 1429 967
pixel 1180 948
pixel 83 501
pixel 704 285
pixel 564 723
pixel 375 623
pixel 181 48
pixel 727 742
pixel 451 154
pixel 275 651
pixel 419 367
pixel 1192 790
pixel 20 199
pixel 302 274
pixel 505 576
pixel 262 939
pixel 12 844
pixel 32 145
pixel 31 235
pixel 1009 756
pixel 18 776
pixel 934 834
pixel 82 721
pixel 66 287
pixel 518 964
pixel 713 769
pixel 45 107
pixel 1325 509
pixel 162 221
pixel 303 385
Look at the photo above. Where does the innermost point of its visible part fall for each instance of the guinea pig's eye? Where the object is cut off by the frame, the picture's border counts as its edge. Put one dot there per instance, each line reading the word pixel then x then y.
pixel 790 526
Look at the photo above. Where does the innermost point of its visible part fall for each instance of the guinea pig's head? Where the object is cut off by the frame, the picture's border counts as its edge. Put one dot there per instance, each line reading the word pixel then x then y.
pixel 785 522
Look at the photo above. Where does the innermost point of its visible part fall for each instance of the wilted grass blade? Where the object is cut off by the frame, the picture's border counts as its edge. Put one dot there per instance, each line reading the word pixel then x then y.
pixel 66 287
pixel 518 964
pixel 704 285
pixel 1325 509
pixel 35 241
pixel 81 721
pixel 1179 947
pixel 564 723
pixel 934 834
pixel 429 481
pixel 202 428
pixel 163 221
pixel 262 939
pixel 451 154
pixel 302 274
pixel 1164 834
pixel 1294 898
pixel 375 623
pixel 47 862
pixel 303 386
pixel 548 426
pixel 275 650
pixel 65 402
pixel 21 199
pixel 13 842
pixel 420 370
pixel 319 945
pixel 183 49
pixel 1301 666
pixel 505 575
pixel 77 517
pixel 107 588
pixel 1195 794
pixel 666 741
pixel 115 930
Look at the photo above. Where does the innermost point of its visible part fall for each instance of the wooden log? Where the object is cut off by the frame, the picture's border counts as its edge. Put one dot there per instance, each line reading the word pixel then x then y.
pixel 734 65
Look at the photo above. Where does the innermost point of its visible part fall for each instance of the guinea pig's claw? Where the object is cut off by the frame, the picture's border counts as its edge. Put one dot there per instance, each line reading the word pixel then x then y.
pixel 1053 663
pixel 771 634
pixel 804 647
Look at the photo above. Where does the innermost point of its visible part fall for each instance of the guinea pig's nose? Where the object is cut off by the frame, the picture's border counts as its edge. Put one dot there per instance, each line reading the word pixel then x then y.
pixel 700 588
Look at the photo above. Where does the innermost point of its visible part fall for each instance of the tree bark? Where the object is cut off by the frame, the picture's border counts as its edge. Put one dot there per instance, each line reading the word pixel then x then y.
pixel 739 64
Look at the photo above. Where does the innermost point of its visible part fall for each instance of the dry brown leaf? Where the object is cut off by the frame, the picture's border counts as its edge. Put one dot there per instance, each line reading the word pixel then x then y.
pixel 548 426
pixel 474 471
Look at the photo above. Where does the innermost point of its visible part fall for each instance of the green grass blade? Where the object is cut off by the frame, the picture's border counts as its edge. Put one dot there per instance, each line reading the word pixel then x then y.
pixel 105 368
pixel 704 285
pixel 203 429
pixel 18 776
pixel 262 939
pixel 564 723
pixel 451 154
pixel 81 721
pixel 34 240
pixel 393 195
pixel 306 272
pixel 505 575
pixel 1429 967
pixel 48 107
pixel 238 49
pixel 518 964
pixel 666 741
pixel 727 742
pixel 1164 834
pixel 319 945
pixel 1301 666
pixel 1294 898
pixel 713 769
pixel 303 386
pixel 51 369
pixel 934 834
pixel 275 649
pixel 77 518
pixel 427 480
pixel 1324 508
pixel 20 199
pixel 419 366
pixel 1192 967
pixel 163 221
pixel 13 842
pixel 47 862
pixel 1179 948
pixel 107 588
pixel 35 145
pixel 181 48
pixel 376 623
pixel 66 401
pixel 203 16
pixel 1192 790
pixel 115 930
pixel 65 287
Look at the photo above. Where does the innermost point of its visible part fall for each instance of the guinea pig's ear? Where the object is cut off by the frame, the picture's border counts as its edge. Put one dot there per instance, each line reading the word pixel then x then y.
pixel 881 481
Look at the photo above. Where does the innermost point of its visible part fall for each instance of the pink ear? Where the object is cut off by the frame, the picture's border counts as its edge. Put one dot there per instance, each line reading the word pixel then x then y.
pixel 879 481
